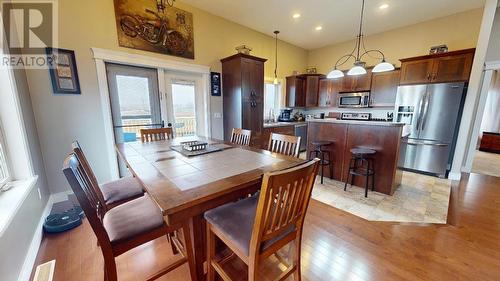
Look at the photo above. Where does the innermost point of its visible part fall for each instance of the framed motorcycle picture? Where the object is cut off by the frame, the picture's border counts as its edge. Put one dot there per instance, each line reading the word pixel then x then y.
pixel 155 26
pixel 63 72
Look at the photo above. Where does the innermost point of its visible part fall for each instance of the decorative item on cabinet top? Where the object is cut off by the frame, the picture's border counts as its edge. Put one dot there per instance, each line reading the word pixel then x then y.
pixel 243 49
pixel 155 26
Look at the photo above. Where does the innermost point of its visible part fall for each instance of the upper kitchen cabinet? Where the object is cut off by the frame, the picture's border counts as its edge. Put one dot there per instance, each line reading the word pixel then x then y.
pixel 303 90
pixel 328 91
pixel 384 88
pixel 357 83
pixel 438 68
pixel 243 92
pixel 295 92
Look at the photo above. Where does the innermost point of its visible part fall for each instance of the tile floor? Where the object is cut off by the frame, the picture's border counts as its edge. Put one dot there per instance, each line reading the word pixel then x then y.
pixel 419 199
pixel 486 163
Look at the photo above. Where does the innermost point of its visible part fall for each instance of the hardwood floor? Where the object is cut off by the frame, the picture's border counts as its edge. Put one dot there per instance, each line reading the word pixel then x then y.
pixel 336 245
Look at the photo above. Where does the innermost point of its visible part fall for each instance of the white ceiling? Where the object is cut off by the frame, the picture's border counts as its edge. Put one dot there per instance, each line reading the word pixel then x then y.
pixel 339 18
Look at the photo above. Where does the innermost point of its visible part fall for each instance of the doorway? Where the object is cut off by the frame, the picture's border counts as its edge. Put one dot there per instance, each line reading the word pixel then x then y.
pixel 185 104
pixel 135 103
pixel 487 154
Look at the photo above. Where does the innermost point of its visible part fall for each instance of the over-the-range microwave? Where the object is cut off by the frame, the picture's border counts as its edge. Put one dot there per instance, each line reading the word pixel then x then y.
pixel 358 100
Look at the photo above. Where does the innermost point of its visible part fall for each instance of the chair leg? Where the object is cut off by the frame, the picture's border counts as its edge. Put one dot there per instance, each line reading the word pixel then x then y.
pixel 373 176
pixel 297 272
pixel 188 244
pixel 348 174
pixel 330 164
pixel 253 270
pixel 322 166
pixel 110 273
pixel 210 253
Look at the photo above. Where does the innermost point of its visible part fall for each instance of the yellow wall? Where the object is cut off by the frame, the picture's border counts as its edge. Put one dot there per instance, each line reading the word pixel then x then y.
pixel 91 23
pixel 458 31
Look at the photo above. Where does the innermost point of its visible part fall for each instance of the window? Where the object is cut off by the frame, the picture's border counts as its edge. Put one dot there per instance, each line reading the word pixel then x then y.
pixel 271 100
pixel 4 171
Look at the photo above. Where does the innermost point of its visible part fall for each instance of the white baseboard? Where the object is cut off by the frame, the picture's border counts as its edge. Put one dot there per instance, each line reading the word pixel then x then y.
pixel 30 258
pixel 454 176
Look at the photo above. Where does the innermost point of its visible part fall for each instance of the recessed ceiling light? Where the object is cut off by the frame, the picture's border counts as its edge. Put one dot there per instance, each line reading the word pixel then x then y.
pixel 296 16
pixel 318 28
pixel 383 6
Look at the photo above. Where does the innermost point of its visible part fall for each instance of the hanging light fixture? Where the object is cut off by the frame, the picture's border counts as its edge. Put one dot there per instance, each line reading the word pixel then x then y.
pixel 276 32
pixel 357 54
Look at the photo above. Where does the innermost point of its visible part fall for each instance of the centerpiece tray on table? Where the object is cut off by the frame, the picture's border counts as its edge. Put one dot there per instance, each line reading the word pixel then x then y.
pixel 194 148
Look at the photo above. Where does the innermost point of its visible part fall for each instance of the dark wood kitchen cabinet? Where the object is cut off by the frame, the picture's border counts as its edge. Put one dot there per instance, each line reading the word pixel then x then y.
pixel 357 83
pixel 384 88
pixel 303 90
pixel 452 66
pixel 243 91
pixel 328 92
pixel 295 92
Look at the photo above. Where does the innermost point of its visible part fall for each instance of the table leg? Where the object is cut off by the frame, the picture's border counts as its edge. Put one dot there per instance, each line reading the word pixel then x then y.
pixel 198 226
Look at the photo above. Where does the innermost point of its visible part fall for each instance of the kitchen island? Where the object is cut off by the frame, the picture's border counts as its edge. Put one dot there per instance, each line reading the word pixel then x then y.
pixel 383 137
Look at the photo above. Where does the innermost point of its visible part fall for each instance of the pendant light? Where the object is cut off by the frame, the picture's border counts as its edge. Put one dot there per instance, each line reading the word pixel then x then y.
pixel 275 82
pixel 359 65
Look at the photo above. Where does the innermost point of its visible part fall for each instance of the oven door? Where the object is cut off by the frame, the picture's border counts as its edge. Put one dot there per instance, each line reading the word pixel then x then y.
pixel 352 100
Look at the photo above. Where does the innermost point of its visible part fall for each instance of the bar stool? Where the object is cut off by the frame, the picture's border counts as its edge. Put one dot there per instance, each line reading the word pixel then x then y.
pixel 356 167
pixel 320 152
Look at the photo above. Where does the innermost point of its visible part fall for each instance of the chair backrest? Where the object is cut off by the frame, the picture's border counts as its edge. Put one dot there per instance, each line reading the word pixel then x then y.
pixel 283 202
pixel 241 136
pixel 85 193
pixel 149 135
pixel 82 159
pixel 284 144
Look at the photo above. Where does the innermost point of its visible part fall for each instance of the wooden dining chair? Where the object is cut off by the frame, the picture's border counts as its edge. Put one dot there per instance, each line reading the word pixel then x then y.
pixel 126 226
pixel 149 135
pixel 241 136
pixel 284 144
pixel 257 227
pixel 112 193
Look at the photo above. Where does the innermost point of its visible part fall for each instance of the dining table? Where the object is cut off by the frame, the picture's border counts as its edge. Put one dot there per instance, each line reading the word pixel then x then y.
pixel 184 184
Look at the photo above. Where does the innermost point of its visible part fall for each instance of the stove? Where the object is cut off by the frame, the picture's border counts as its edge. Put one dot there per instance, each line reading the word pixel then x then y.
pixel 361 117
pixel 355 116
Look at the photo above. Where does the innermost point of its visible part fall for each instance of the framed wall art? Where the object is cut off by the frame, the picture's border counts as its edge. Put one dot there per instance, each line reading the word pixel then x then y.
pixel 154 26
pixel 63 72
pixel 215 84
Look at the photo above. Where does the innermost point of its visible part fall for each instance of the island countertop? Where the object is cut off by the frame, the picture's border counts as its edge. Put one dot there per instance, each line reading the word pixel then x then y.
pixel 383 137
pixel 358 122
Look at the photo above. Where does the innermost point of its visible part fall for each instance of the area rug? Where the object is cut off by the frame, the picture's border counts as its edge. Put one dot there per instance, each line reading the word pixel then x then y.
pixel 419 199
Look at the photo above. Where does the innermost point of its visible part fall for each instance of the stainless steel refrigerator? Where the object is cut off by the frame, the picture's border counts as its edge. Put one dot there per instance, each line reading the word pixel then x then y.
pixel 432 113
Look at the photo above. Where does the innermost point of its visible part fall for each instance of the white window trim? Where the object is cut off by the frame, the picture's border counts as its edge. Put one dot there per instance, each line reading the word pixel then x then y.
pixel 6 162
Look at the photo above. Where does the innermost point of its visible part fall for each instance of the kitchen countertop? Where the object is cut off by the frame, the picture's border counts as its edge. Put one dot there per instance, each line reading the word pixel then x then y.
pixel 283 124
pixel 358 122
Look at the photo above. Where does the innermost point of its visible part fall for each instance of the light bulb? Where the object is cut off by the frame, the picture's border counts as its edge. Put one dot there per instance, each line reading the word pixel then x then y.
pixel 275 81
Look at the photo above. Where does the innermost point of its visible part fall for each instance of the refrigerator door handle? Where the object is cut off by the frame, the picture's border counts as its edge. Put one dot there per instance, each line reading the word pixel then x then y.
pixel 426 110
pixel 425 143
pixel 419 116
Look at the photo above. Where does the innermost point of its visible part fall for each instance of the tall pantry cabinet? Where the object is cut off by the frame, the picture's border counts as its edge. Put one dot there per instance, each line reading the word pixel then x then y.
pixel 243 95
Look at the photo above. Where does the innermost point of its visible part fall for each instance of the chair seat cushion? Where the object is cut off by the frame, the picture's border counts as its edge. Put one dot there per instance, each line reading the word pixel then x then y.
pixel 122 189
pixel 236 221
pixel 131 219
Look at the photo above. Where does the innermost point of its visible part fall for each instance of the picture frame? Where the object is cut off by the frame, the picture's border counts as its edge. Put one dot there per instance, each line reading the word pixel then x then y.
pixel 63 71
pixel 215 82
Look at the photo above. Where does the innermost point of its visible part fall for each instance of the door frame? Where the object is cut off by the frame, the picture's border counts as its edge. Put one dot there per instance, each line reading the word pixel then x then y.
pixel 201 100
pixel 102 56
